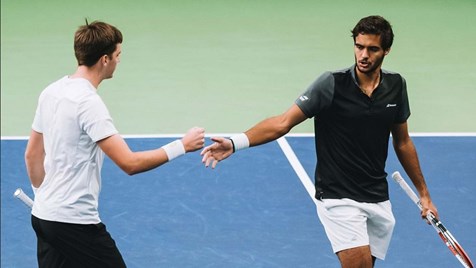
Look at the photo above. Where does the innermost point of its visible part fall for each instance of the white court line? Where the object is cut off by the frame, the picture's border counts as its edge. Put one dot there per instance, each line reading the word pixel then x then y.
pixel 141 136
pixel 412 134
pixel 298 168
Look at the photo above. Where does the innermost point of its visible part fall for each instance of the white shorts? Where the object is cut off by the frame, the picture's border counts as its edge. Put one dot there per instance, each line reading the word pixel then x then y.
pixel 350 224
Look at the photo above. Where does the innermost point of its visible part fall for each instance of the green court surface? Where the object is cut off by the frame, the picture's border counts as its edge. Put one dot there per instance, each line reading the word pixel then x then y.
pixel 224 65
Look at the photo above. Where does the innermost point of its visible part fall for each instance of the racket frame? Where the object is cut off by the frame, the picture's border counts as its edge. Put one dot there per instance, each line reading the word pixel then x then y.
pixel 445 235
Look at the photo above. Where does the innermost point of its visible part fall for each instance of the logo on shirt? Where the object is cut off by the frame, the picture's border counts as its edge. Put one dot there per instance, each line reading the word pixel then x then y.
pixel 391 105
pixel 303 98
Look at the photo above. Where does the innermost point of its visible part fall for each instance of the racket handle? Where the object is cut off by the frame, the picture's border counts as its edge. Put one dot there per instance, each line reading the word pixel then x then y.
pixel 23 197
pixel 404 185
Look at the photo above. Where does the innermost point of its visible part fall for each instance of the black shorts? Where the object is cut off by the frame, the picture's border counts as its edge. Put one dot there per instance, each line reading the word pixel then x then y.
pixel 75 245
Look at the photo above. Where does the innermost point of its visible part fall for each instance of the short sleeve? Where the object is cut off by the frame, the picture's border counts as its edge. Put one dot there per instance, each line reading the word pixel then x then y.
pixel 95 120
pixel 37 124
pixel 318 95
pixel 404 111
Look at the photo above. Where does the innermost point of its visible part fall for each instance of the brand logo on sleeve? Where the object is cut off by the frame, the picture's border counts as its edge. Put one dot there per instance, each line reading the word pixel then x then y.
pixel 303 98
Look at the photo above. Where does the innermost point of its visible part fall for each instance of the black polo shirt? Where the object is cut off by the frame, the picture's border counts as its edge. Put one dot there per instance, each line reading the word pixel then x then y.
pixel 352 133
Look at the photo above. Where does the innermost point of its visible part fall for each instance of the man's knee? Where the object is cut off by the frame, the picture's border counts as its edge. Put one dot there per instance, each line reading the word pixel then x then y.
pixel 359 257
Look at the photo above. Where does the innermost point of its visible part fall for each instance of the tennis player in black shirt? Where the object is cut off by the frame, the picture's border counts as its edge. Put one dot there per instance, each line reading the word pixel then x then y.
pixel 354 111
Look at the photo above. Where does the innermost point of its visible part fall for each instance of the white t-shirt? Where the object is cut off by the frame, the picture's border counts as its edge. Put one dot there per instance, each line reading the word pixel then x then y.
pixel 72 117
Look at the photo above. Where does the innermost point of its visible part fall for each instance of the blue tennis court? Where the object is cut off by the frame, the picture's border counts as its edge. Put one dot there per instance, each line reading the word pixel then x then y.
pixel 251 211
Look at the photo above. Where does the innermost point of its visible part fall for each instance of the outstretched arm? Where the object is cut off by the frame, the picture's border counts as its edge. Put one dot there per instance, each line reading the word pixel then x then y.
pixel 136 162
pixel 265 131
pixel 407 155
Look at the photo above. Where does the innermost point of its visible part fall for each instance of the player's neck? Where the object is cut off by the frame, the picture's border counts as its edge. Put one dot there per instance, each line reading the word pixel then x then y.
pixel 89 74
pixel 368 82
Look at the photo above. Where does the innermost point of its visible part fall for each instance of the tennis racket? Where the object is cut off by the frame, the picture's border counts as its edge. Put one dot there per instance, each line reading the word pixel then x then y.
pixel 444 233
pixel 23 197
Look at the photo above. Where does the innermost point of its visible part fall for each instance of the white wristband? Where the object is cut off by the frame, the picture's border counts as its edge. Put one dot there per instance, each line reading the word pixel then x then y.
pixel 240 142
pixel 174 149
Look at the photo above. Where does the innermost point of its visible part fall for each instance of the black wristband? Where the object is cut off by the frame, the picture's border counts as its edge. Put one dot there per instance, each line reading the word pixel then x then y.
pixel 233 144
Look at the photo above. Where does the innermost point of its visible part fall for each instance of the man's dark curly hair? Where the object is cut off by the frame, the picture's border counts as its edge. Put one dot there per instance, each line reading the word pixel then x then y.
pixel 375 25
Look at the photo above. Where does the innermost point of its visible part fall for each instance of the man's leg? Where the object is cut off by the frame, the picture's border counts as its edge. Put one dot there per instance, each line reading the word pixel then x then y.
pixel 358 257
